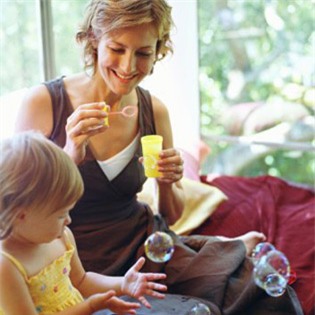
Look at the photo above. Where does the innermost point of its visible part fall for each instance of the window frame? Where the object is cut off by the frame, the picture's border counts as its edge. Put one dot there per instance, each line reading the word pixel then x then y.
pixel 47 39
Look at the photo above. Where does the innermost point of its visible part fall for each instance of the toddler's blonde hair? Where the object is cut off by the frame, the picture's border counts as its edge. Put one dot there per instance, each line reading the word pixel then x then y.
pixel 34 173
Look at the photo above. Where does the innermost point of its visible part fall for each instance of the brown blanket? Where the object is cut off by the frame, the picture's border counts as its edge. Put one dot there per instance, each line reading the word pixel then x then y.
pixel 284 212
pixel 220 274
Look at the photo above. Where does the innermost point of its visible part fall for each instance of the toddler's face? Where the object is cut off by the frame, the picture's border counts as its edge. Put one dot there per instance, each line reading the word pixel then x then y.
pixel 42 225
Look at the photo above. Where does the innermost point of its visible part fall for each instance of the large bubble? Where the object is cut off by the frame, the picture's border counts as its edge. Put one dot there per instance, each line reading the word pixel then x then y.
pixel 272 273
pixel 159 247
pixel 261 250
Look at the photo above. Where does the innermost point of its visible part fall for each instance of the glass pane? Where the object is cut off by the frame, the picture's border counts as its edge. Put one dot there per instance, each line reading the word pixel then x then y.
pixel 255 160
pixel 257 67
pixel 19 45
pixel 66 17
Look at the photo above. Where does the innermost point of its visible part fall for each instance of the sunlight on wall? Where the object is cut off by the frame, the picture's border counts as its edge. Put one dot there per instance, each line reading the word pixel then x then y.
pixel 9 106
pixel 175 79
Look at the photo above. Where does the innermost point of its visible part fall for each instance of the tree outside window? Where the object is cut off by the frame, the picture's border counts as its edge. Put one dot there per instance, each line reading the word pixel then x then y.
pixel 257 67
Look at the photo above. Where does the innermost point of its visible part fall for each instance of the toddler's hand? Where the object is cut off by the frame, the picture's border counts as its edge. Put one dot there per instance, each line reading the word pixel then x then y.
pixel 108 300
pixel 137 284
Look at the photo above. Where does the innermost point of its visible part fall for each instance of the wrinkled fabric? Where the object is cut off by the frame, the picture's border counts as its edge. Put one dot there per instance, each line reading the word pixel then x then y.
pixel 283 211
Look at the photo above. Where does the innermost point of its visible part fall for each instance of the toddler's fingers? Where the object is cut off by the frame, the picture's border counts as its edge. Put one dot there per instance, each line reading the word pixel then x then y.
pixel 155 276
pixel 158 286
pixel 109 294
pixel 138 265
pixel 144 301
pixel 156 295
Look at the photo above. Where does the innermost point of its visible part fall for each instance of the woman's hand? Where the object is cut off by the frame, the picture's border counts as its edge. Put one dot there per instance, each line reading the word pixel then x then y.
pixel 86 121
pixel 137 284
pixel 108 300
pixel 171 166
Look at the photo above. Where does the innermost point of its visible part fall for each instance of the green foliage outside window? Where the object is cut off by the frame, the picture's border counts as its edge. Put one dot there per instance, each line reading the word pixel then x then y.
pixel 66 17
pixel 19 45
pixel 259 53
pixel 21 62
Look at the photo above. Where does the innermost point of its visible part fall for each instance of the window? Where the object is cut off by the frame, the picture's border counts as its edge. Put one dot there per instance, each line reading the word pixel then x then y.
pixel 256 76
pixel 38 41
pixel 67 52
pixel 257 87
pixel 20 45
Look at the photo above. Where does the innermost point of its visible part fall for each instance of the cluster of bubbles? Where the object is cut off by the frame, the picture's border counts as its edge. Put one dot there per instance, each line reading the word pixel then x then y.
pixel 199 309
pixel 159 247
pixel 271 269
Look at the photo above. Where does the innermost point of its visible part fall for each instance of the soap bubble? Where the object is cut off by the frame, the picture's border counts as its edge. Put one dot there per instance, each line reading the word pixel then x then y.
pixel 199 309
pixel 261 250
pixel 272 273
pixel 159 247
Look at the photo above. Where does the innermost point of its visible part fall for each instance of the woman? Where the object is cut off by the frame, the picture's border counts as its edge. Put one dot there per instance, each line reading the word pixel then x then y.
pixel 122 41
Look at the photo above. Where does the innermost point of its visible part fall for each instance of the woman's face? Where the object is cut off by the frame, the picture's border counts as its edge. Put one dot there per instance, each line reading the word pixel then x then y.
pixel 126 56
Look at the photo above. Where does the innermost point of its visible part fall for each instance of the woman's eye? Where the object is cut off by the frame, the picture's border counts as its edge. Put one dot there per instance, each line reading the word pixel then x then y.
pixel 117 50
pixel 139 53
pixel 144 54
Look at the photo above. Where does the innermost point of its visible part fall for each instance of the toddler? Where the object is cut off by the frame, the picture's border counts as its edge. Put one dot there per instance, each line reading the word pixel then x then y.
pixel 40 270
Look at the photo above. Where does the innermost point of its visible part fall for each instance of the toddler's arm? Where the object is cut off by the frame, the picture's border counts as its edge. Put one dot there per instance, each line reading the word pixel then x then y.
pixel 15 297
pixel 134 283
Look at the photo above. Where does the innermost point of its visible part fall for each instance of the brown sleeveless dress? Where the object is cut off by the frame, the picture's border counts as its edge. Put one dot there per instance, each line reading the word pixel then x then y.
pixel 110 227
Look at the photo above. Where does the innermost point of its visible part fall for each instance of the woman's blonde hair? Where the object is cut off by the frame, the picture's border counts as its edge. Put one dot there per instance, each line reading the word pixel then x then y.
pixel 34 173
pixel 104 16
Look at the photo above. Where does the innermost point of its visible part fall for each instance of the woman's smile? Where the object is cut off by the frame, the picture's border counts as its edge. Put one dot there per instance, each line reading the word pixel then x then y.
pixel 124 78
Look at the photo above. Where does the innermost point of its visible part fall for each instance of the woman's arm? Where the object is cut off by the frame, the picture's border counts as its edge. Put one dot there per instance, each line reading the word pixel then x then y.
pixel 171 194
pixel 36 113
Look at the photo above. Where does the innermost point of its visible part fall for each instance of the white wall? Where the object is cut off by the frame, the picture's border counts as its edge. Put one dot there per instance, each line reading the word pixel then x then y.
pixel 175 79
pixel 9 106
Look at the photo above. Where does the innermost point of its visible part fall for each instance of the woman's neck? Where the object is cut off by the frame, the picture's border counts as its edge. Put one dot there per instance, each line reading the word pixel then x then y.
pixel 82 89
pixel 103 93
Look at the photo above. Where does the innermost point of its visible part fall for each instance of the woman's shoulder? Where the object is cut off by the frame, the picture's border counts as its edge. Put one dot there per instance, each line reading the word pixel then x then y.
pixel 75 78
pixel 75 83
pixel 36 94
pixel 35 111
pixel 158 106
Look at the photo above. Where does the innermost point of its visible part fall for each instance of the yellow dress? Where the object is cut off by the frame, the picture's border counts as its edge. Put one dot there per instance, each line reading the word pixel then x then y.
pixel 51 289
